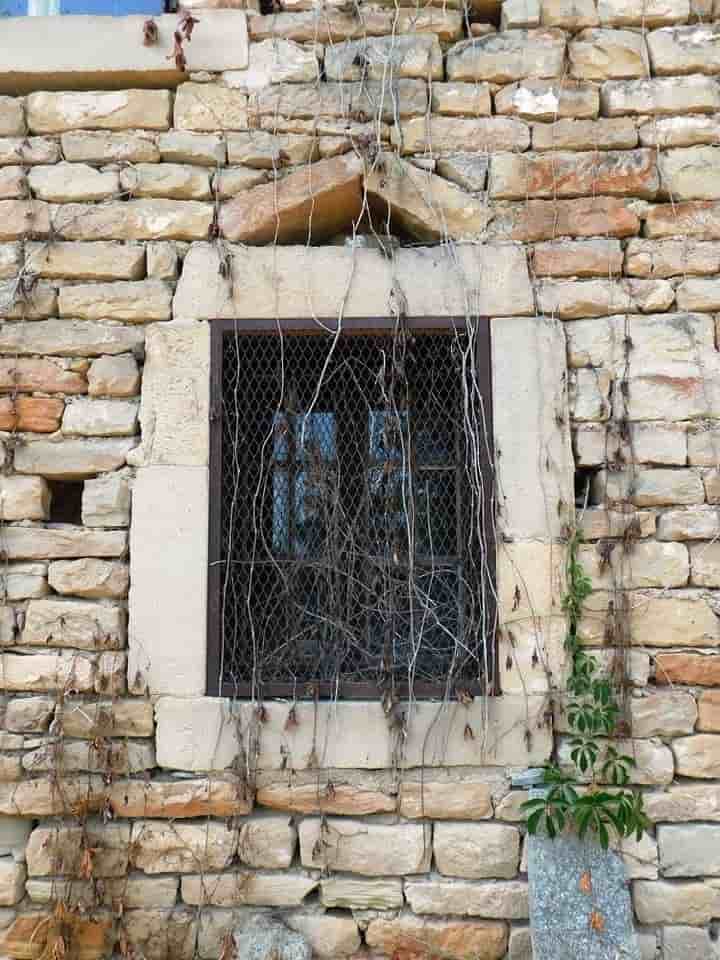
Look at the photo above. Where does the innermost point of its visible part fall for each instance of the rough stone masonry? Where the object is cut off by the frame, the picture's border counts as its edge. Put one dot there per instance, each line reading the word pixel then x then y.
pixel 554 163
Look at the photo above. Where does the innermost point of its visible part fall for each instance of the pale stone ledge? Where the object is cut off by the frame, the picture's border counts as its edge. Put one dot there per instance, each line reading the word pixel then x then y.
pixel 89 53
pixel 292 281
pixel 207 733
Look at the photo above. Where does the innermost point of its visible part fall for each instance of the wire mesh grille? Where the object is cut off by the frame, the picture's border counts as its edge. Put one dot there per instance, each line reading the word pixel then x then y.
pixel 349 554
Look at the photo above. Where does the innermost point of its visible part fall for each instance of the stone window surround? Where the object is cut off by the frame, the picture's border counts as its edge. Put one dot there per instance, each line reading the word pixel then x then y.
pixel 169 531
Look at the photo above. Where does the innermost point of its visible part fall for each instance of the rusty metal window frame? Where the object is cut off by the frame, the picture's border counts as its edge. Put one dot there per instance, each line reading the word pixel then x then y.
pixel 378 326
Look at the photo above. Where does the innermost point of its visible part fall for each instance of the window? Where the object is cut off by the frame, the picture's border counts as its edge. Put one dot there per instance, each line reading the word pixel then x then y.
pixel 351 549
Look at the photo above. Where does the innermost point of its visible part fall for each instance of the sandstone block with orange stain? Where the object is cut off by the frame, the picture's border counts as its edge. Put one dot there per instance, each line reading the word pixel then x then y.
pixel 33 414
pixel 411 938
pixel 688 668
pixel 46 374
pixel 695 218
pixel 33 935
pixel 339 798
pixel 315 202
pixel 596 257
pixel 584 217
pixel 618 133
pixel 180 799
pixel 631 173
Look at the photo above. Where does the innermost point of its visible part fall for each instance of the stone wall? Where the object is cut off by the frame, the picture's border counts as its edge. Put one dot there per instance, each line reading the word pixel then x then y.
pixel 559 173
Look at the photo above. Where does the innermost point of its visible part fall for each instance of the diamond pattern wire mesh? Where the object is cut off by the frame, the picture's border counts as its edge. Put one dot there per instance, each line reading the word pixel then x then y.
pixel 348 554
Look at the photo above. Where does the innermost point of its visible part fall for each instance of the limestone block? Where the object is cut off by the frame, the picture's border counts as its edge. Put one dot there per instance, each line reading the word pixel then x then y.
pixel 59 849
pixel 28 150
pixel 61 542
pixel 688 131
pixel 663 565
pixel 573 174
pixel 24 498
pixel 74 623
pixel 12 881
pixel 14 833
pixel 691 173
pixel 202 736
pixel 162 260
pixel 412 55
pixel 694 523
pixel 134 891
pixel 681 942
pixel 100 418
pixel 529 580
pixel 704 569
pixel 175 398
pixel 679 804
pixel 42 797
pixel 267 151
pixel 158 847
pixel 668 258
pixel 268 842
pixel 208 107
pixel 519 13
pixel 598 523
pixel 476 851
pixel 112 110
pixel 659 96
pixel 134 302
pixel 700 219
pixel 72 459
pixel 69 338
pixel 351 894
pixel 711 479
pixel 180 799
pixel 451 800
pixel 520 944
pixel 20 219
pixel 134 219
pixel 372 100
pixel 40 300
pixel 106 501
pixel 461 99
pixel 654 13
pixel 228 183
pixel 106 718
pixel 675 337
pixel 70 182
pixel 697 756
pixel 114 758
pixel 494 276
pixel 599 54
pixel 534 220
pixel 11 257
pixel 509 56
pixel 703 440
pixel 330 189
pixel 640 857
pixel 23 581
pixel 156 934
pixel 89 578
pixel 597 257
pixel 114 376
pixel 336 26
pixel 12 117
pixel 659 486
pixel 168 532
pixel 95 146
pixel 426 206
pixel 367 848
pixel 86 261
pixel 329 936
pixel 699 293
pixel 689 850
pixel 653 760
pixel 684 50
pixel 569 14
pixel 663 714
pixel 174 181
pixel 589 395
pixel 249 889
pixel 467 170
pixel 454 939
pixel 618 133
pixel 13 183
pixel 687 668
pixel 274 61
pixel 548 100
pixel 497 901
pixel 440 135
